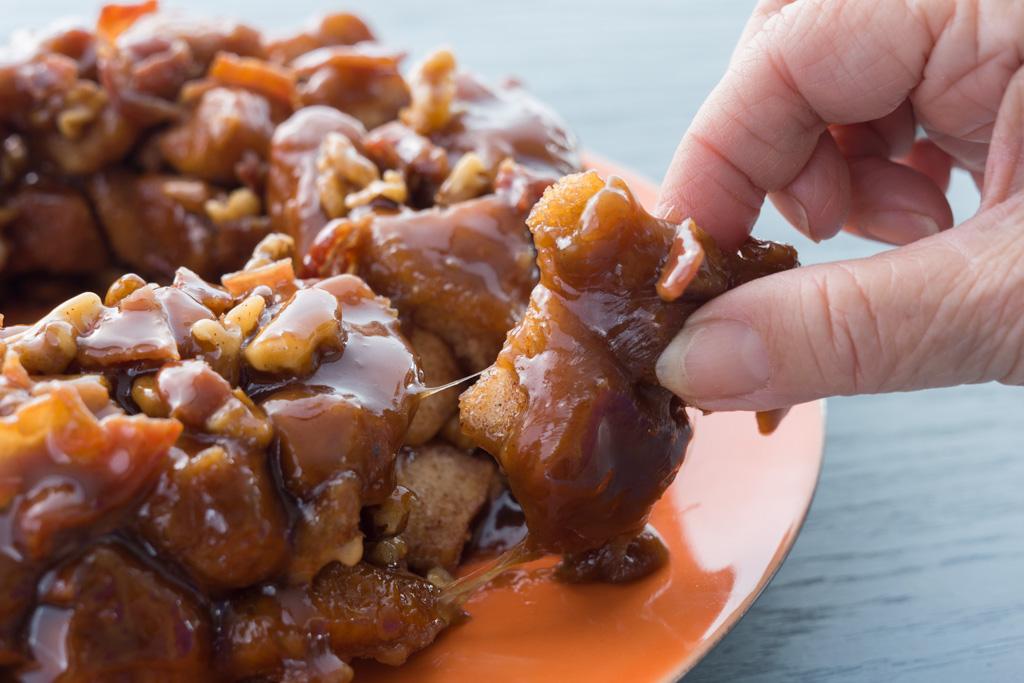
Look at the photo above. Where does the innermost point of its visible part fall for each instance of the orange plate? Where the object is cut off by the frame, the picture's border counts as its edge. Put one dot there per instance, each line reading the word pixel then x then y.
pixel 729 520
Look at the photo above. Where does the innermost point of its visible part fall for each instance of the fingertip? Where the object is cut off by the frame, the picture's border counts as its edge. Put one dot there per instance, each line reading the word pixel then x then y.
pixel 817 201
pixel 714 359
pixel 894 203
pixel 701 185
pixel 927 158
pixel 888 136
pixel 793 210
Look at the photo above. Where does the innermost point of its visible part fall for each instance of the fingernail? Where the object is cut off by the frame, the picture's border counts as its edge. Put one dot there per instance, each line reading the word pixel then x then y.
pixel 897 227
pixel 793 211
pixel 715 359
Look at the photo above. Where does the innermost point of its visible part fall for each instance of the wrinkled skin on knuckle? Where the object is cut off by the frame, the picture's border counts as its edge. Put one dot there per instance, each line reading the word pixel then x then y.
pixel 1014 316
pixel 840 317
pixel 880 65
pixel 977 48
pixel 999 269
pixel 977 333
pixel 957 323
pixel 931 338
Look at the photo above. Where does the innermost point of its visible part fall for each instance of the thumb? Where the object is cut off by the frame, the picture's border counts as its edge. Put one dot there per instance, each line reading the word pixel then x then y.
pixel 942 311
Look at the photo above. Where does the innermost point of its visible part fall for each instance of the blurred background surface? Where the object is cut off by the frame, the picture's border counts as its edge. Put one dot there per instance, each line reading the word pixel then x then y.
pixel 911 563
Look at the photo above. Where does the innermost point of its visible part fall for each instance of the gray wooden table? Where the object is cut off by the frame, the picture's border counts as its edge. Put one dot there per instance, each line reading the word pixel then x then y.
pixel 911 564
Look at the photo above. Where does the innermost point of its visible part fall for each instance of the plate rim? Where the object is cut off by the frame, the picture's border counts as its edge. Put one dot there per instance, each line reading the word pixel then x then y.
pixel 712 641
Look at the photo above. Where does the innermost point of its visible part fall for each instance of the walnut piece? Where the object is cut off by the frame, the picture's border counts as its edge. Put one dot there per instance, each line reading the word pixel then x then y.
pixel 433 88
pixel 341 169
pixel 391 187
pixel 241 203
pixel 309 321
pixel 470 178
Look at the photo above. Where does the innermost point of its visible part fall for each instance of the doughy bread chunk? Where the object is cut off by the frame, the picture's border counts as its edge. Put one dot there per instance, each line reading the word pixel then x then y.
pixel 450 488
pixel 571 408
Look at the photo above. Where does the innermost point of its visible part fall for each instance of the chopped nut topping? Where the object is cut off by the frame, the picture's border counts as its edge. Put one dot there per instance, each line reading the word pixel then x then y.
pixel 221 345
pixel 83 106
pixel 147 398
pixel 246 315
pixel 274 247
pixel 122 287
pixel 273 275
pixel 470 178
pixel 310 320
pixel 240 418
pixel 388 552
pixel 338 154
pixel 433 88
pixel 241 203
pixel 49 346
pixel 81 311
pixel 439 576
pixel 341 170
pixel 191 194
pixel 392 187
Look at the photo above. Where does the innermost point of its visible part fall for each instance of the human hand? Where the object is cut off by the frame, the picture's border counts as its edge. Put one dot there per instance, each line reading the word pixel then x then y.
pixel 820 99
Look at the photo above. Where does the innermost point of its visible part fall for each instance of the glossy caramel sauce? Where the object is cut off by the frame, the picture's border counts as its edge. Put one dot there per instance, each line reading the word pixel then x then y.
pixel 354 407
pixel 463 272
pixel 506 122
pixel 198 480
pixel 254 491
pixel 293 202
pixel 571 408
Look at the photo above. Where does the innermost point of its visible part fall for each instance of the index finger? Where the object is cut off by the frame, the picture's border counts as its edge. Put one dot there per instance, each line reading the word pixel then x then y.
pixel 812 63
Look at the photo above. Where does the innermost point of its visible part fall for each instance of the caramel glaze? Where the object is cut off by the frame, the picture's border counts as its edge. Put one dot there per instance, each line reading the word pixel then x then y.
pixel 505 122
pixel 73 466
pixel 361 80
pixel 463 272
pixel 361 611
pixel 351 413
pixel 293 201
pixel 188 472
pixel 285 418
pixel 572 409
pixel 125 620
